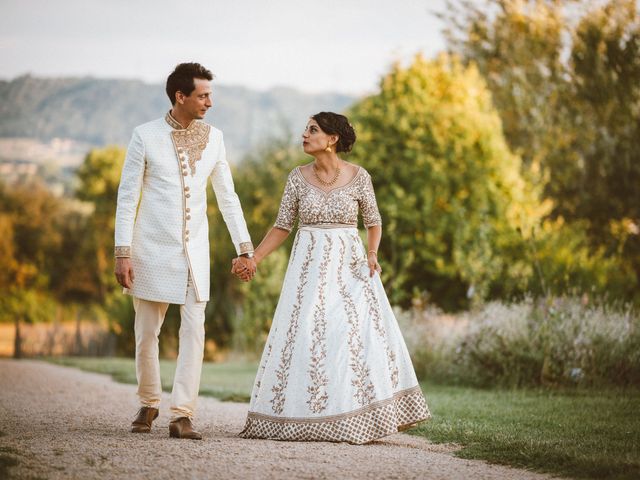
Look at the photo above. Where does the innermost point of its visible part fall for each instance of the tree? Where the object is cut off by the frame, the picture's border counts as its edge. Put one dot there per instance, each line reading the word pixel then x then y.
pixel 517 45
pixel 29 224
pixel 449 189
pixel 99 178
pixel 605 67
pixel 565 77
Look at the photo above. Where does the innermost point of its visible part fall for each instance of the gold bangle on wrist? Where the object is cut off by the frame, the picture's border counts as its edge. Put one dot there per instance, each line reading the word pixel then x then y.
pixel 374 252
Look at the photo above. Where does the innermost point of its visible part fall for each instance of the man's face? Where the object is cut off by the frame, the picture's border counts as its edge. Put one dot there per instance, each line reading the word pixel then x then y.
pixel 197 104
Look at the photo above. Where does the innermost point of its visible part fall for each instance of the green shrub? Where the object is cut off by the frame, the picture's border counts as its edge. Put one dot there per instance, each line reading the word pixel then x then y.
pixel 562 341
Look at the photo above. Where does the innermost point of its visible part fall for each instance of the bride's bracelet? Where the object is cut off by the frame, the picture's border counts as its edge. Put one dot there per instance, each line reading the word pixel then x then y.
pixel 374 252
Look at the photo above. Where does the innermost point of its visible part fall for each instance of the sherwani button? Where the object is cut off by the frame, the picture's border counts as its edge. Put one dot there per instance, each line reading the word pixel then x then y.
pixel 188 209
pixel 186 239
pixel 184 165
pixel 186 232
pixel 186 189
pixel 188 195
pixel 184 173
pixel 188 217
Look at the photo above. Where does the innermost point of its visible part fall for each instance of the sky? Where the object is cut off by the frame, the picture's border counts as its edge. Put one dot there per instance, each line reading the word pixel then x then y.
pixel 314 46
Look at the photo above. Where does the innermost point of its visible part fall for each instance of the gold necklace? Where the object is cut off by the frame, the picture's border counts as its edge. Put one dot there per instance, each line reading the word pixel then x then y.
pixel 322 182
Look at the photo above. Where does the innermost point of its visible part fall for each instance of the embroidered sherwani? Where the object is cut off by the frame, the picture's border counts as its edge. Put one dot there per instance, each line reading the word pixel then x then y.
pixel 335 366
pixel 161 223
pixel 166 171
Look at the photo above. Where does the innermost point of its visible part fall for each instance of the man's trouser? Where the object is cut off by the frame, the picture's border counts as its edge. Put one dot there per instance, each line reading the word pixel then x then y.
pixel 149 318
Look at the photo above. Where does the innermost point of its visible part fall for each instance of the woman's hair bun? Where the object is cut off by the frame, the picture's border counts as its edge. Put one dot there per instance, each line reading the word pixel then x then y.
pixel 336 124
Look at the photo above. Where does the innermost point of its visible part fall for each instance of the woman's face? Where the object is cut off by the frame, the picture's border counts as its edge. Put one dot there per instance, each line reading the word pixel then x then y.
pixel 314 140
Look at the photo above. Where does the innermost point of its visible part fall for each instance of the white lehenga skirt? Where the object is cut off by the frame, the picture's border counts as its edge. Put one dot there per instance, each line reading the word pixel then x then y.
pixel 335 366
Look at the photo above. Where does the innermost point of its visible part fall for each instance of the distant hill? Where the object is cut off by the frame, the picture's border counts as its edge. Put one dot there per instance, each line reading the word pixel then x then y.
pixel 100 111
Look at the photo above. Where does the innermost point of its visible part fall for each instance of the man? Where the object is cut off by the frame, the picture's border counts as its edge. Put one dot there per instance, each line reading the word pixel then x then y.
pixel 162 239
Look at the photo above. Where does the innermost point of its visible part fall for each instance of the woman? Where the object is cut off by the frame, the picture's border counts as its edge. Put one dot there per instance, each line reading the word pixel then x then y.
pixel 335 366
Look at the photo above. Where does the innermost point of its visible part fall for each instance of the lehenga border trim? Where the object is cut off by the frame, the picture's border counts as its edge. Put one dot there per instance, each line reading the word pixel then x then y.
pixel 379 419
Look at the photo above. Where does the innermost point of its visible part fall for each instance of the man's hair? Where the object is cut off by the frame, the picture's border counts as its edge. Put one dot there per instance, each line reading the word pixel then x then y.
pixel 181 79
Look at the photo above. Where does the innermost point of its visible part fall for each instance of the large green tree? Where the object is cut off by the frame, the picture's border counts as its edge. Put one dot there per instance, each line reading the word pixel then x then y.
pixel 517 45
pixel 451 192
pixel 605 68
pixel 565 78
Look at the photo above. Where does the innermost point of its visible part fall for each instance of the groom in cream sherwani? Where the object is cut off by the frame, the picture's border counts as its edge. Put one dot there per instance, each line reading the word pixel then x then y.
pixel 162 239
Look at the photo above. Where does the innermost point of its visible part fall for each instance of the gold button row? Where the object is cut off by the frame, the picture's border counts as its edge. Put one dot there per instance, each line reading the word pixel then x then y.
pixel 187 195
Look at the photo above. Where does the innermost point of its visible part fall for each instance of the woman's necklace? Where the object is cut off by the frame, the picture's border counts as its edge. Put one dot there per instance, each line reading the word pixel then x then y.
pixel 322 182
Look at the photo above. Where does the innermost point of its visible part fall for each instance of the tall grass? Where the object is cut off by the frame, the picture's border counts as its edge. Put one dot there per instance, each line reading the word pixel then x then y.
pixel 560 341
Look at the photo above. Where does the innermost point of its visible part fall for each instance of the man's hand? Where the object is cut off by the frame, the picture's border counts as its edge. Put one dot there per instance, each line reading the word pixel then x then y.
pixel 244 268
pixel 124 272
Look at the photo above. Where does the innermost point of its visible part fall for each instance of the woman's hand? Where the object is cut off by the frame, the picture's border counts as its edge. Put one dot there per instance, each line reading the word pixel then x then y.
pixel 372 260
pixel 243 268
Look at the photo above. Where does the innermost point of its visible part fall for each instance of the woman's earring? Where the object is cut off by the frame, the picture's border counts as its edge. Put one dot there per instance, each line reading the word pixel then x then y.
pixel 328 149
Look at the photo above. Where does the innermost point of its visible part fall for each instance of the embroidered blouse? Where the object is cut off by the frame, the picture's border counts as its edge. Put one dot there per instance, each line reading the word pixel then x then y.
pixel 338 206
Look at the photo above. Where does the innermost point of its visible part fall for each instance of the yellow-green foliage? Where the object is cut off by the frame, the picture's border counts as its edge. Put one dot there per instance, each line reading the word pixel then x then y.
pixel 450 191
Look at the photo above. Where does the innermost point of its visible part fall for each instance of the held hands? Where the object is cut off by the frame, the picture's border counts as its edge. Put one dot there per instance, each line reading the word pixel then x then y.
pixel 372 260
pixel 244 268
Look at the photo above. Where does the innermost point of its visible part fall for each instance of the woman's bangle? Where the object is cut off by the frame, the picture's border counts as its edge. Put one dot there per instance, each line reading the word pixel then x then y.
pixel 374 252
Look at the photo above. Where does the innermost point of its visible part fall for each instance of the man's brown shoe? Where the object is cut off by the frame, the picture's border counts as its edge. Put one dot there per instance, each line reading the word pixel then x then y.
pixel 144 417
pixel 183 428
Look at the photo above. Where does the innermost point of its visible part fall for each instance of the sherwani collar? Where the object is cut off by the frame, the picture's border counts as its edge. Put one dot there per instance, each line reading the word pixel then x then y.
pixel 190 142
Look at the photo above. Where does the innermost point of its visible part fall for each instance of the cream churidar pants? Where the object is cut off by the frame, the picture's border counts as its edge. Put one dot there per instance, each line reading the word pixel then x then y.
pixel 149 318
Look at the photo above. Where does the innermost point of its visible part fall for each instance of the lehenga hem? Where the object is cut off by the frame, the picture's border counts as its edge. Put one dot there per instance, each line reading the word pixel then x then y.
pixel 404 410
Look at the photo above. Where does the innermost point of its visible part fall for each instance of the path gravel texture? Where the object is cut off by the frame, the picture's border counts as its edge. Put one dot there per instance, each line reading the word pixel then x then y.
pixel 60 423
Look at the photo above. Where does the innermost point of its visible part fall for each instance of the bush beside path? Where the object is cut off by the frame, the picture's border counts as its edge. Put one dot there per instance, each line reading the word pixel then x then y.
pixel 59 422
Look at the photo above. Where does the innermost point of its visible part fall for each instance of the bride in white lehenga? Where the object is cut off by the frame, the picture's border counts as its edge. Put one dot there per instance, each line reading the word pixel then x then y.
pixel 335 366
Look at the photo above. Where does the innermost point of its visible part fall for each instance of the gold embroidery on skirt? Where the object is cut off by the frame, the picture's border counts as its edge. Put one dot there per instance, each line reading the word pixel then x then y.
pixel 365 392
pixel 318 390
pixel 282 373
pixel 374 311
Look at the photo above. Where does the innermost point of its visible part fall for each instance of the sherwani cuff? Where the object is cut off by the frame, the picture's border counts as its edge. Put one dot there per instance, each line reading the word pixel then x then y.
pixel 245 247
pixel 122 252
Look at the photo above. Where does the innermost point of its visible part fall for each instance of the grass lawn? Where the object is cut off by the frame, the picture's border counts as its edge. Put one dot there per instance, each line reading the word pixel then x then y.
pixel 579 434
pixel 231 381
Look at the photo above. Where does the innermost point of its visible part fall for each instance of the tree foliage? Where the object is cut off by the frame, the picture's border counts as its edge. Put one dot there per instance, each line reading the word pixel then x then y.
pixel 565 77
pixel 450 191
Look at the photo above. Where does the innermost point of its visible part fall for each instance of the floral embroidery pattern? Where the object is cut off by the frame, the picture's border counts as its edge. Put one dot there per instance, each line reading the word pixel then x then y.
pixel 374 310
pixel 189 142
pixel 364 388
pixel 338 206
pixel 318 389
pixel 294 249
pixel 122 251
pixel 368 204
pixel 245 247
pixel 282 373
pixel 288 210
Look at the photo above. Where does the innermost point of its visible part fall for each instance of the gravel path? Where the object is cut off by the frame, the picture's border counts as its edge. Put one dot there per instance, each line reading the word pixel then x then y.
pixel 58 422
